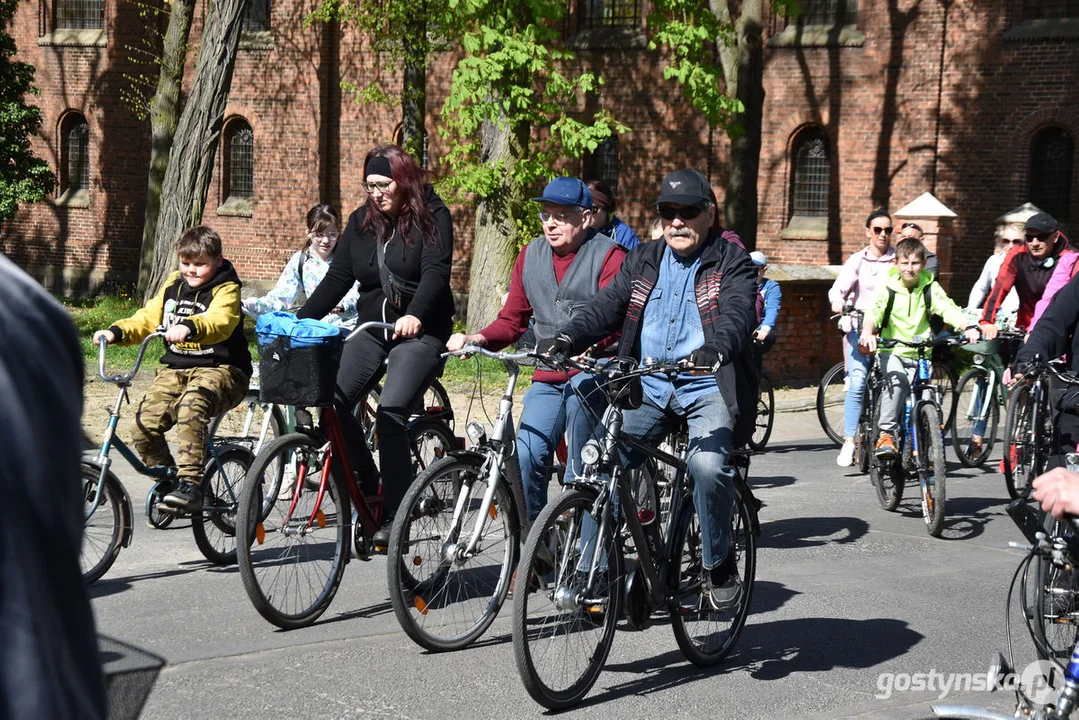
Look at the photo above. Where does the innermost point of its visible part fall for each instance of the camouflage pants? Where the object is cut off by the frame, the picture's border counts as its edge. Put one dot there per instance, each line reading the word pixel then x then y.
pixel 189 399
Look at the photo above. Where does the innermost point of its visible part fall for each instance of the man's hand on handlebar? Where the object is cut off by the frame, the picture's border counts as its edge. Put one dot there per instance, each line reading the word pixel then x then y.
pixel 107 335
pixel 989 331
pixel 705 357
pixel 973 334
pixel 561 345
pixel 1058 492
pixel 459 340
pixel 408 326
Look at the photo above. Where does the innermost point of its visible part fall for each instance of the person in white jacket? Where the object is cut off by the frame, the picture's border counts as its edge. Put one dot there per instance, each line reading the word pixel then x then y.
pixel 1011 236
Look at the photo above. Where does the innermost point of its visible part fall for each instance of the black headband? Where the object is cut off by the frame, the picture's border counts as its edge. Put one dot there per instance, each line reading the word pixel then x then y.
pixel 377 165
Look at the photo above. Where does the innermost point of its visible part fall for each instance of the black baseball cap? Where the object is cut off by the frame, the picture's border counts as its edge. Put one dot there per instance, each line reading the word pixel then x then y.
pixel 684 187
pixel 1041 223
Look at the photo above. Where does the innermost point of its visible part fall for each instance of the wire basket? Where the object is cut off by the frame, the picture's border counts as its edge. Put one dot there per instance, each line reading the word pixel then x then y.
pixel 299 371
pixel 129 673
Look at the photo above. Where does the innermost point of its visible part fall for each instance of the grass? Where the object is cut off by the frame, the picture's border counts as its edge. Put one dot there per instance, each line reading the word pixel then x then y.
pixel 460 375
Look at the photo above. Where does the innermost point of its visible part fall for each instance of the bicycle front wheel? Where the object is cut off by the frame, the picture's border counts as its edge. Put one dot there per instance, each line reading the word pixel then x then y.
pixel 706 635
pixel 1018 462
pixel 102 530
pixel 932 469
pixel 831 394
pixel 563 626
pixel 976 412
pixel 444 595
pixel 296 545
pixel 214 526
pixel 766 405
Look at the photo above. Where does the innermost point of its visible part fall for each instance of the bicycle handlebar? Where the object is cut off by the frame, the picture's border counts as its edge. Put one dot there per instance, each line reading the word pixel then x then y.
pixel 923 342
pixel 373 324
pixel 123 379
pixel 473 349
pixel 1039 364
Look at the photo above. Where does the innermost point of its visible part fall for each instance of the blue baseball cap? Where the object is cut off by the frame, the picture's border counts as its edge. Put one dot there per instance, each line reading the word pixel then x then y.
pixel 567 191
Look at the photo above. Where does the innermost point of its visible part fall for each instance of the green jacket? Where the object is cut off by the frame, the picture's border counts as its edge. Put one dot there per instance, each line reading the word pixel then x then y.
pixel 909 318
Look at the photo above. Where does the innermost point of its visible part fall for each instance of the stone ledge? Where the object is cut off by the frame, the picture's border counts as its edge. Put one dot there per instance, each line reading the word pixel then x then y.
pixel 609 38
pixel 794 36
pixel 1054 29
pixel 805 228
pixel 236 207
pixel 803 273
pixel 78 199
pixel 74 38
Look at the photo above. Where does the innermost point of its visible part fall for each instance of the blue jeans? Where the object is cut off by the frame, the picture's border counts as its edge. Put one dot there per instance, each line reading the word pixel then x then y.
pixel 857 370
pixel 711 436
pixel 546 410
pixel 981 402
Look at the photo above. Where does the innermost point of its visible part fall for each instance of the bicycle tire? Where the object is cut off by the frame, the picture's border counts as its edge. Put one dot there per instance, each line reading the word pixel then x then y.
pixel 932 469
pixel 437 400
pixel 103 531
pixel 864 445
pixel 442 600
pixel 704 635
pixel 1056 601
pixel 886 475
pixel 537 621
pixel 214 526
pixel 830 395
pixel 944 377
pixel 766 405
pixel 430 440
pixel 970 403
pixel 277 543
pixel 242 425
pixel 1018 446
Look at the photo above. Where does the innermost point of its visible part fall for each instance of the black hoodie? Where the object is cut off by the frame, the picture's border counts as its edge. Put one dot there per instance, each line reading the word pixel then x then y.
pixel 425 271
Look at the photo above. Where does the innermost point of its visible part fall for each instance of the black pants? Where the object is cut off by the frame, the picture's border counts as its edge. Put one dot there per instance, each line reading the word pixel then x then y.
pixel 409 367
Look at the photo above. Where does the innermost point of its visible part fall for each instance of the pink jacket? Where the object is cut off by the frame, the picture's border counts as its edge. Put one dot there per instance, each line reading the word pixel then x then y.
pixel 1062 273
pixel 860 277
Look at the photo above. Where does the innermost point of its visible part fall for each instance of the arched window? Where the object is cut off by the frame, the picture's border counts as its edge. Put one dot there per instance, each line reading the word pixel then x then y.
pixel 80 14
pixel 809 181
pixel 1052 154
pixel 239 161
pixel 75 154
pixel 256 16
pixel 602 164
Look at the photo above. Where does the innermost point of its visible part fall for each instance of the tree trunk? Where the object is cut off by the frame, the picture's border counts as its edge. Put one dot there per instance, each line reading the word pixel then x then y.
pixel 164 115
pixel 743 68
pixel 495 248
pixel 414 90
pixel 191 158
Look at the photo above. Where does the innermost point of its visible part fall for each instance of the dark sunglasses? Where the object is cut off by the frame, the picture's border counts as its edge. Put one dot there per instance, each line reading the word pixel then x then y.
pixel 906 225
pixel 886 230
pixel 687 212
pixel 1040 237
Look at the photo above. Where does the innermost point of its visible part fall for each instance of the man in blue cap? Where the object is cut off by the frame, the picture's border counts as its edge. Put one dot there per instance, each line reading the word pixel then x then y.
pixel 555 276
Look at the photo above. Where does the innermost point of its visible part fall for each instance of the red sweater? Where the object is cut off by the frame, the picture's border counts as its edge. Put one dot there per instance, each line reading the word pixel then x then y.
pixel 512 320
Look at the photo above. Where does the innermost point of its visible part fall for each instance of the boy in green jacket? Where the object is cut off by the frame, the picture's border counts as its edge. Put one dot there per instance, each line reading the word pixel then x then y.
pixel 913 295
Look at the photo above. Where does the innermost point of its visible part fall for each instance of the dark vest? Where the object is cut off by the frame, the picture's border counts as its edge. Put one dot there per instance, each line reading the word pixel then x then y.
pixel 554 304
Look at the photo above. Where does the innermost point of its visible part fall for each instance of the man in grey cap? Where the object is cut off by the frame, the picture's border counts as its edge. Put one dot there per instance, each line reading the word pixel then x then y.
pixel 692 297
pixel 554 277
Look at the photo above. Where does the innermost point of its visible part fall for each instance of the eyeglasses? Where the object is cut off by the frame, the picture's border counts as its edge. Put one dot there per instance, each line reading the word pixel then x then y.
pixel 1013 241
pixel 562 217
pixel 877 230
pixel 906 225
pixel 1040 237
pixel 686 212
pixel 380 186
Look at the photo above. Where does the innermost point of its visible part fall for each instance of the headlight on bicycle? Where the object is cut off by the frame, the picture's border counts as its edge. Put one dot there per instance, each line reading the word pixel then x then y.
pixel 476 432
pixel 591 452
pixel 979 359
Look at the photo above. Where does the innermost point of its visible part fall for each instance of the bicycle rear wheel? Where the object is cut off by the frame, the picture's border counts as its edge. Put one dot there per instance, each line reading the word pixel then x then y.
pixel 1019 450
pixel 443 598
pixel 293 557
pixel 974 399
pixel 932 469
pixel 1056 597
pixel 562 630
pixel 706 635
pixel 831 394
pixel 431 441
pixel 103 530
pixel 766 404
pixel 250 424
pixel 214 526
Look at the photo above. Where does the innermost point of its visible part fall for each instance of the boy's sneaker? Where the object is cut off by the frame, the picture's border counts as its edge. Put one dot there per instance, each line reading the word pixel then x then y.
pixel 724 586
pixel 187 496
pixel 846 454
pixel 885 446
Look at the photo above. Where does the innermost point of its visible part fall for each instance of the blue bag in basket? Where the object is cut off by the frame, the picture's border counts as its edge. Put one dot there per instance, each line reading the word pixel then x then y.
pixel 298 359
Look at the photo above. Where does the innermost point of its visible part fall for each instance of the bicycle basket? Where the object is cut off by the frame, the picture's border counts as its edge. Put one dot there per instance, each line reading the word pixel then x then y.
pixel 297 371
pixel 129 676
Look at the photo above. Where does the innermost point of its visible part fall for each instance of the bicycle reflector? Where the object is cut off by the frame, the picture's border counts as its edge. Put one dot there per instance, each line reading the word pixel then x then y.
pixel 590 452
pixel 476 432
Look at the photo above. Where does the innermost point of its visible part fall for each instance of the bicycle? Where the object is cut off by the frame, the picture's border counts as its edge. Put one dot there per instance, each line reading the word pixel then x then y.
pixel 919 440
pixel 564 623
pixel 980 394
pixel 297 543
pixel 833 386
pixel 107 506
pixel 766 407
pixel 1028 428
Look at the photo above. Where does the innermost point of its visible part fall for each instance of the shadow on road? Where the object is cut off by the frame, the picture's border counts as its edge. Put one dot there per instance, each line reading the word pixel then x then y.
pixel 367 612
pixel 801 447
pixel 767 482
pixel 811 532
pixel 113 585
pixel 965 517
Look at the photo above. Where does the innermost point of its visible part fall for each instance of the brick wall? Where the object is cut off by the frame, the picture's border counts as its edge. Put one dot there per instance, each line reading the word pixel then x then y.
pixel 807 343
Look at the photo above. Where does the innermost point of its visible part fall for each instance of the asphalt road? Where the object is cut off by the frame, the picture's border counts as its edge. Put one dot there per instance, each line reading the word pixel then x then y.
pixel 850 602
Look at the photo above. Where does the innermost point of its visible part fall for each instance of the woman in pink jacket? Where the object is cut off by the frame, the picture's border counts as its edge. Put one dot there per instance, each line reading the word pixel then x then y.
pixel 857 282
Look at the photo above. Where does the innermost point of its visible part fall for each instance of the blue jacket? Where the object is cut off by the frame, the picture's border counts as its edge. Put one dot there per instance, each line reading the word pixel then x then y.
pixel 623 234
pixel 769 290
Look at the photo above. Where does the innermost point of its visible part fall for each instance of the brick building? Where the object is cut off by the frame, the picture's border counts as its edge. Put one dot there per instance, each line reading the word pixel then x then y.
pixel 867 103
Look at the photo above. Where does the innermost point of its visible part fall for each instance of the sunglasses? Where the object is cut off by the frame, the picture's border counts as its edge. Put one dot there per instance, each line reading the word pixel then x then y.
pixel 1040 237
pixel 886 230
pixel 560 217
pixel 1013 241
pixel 906 225
pixel 687 212
pixel 380 186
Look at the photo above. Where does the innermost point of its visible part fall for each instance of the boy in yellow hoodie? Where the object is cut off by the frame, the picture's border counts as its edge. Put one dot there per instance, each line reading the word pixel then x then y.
pixel 207 363
pixel 908 296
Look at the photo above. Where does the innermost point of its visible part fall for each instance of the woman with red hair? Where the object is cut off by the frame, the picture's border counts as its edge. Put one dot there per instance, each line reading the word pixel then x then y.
pixel 399 247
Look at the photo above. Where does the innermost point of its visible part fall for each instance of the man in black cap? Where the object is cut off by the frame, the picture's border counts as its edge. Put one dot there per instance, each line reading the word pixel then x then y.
pixel 1028 268
pixel 692 296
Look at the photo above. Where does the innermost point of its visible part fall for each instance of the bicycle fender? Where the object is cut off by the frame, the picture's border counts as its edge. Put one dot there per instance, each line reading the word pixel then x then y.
pixel 125 502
